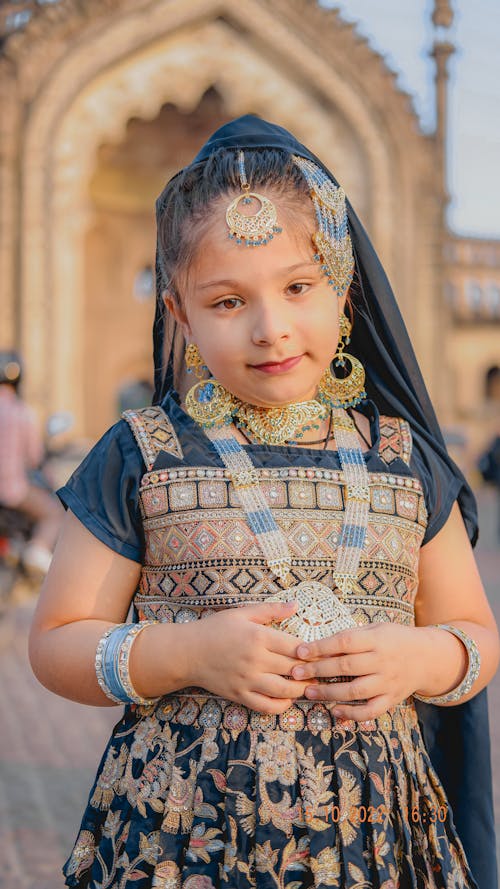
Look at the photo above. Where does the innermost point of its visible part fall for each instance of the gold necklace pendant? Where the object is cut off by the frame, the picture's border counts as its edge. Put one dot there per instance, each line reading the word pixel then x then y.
pixel 276 426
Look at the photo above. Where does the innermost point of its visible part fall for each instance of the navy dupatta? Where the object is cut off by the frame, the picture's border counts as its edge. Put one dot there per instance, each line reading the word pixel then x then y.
pixel 457 738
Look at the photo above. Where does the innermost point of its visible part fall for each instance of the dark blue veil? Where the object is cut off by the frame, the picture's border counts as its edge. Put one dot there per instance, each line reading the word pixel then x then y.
pixel 457 738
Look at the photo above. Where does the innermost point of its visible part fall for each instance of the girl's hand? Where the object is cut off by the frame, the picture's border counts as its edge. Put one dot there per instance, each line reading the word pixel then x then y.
pixel 235 655
pixel 387 660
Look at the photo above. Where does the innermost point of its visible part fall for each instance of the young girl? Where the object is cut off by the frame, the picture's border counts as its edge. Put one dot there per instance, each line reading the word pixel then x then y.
pixel 297 559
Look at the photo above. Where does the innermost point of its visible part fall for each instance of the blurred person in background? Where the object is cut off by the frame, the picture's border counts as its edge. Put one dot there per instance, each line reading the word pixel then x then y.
pixel 21 454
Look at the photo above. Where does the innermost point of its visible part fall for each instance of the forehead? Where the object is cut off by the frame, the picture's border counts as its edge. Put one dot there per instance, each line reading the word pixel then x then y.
pixel 219 256
pixel 295 216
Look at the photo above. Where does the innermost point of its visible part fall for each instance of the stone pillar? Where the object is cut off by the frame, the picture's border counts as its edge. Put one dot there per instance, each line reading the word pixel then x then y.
pixel 9 219
pixel 441 52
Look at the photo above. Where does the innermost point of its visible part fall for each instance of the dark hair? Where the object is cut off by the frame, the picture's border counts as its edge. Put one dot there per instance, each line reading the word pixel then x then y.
pixel 182 208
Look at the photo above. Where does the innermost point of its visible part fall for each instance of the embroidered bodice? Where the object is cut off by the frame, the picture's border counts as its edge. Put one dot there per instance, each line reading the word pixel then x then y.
pixel 200 554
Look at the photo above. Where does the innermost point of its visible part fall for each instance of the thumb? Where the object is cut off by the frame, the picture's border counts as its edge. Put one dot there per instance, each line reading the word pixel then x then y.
pixel 268 611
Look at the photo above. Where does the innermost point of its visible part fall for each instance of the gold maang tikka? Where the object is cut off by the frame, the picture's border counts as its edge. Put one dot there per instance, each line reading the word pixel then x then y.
pixel 252 229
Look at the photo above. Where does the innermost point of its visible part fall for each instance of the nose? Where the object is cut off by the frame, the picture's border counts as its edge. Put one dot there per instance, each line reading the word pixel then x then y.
pixel 271 323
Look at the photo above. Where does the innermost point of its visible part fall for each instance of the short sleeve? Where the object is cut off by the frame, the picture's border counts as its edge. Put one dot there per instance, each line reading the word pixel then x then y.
pixel 103 492
pixel 440 485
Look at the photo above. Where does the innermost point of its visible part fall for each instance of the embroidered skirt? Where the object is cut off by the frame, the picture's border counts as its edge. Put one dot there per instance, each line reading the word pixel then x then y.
pixel 199 792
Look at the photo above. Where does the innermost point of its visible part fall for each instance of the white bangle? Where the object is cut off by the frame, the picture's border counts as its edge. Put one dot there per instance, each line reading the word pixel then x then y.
pixel 123 661
pixel 473 668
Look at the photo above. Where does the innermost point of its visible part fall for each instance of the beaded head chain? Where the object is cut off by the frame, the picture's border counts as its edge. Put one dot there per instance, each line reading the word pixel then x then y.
pixel 332 240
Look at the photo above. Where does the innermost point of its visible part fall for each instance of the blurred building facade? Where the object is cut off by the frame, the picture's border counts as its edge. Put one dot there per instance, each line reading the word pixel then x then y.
pixel 103 100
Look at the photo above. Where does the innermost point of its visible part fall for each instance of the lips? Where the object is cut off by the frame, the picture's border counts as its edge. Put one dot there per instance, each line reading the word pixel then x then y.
pixel 276 367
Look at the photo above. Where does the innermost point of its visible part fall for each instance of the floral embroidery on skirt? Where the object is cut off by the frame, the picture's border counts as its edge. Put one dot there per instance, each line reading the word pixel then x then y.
pixel 184 799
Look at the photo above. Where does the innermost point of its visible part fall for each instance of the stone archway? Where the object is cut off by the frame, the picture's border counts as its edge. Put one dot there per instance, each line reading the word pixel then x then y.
pixel 120 245
pixel 261 59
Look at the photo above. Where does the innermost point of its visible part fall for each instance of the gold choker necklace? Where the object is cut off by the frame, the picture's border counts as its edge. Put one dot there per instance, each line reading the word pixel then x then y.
pixel 280 425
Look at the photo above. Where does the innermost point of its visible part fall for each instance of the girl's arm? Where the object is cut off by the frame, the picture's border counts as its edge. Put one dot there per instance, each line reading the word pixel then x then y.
pixel 90 587
pixel 390 661
pixel 450 591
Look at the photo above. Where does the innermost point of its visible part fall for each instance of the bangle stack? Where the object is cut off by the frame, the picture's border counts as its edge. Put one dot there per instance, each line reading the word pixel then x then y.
pixel 112 663
pixel 471 675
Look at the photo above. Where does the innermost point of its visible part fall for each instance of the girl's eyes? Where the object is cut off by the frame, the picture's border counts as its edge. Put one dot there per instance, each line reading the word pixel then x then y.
pixel 229 303
pixel 293 288
pixel 234 302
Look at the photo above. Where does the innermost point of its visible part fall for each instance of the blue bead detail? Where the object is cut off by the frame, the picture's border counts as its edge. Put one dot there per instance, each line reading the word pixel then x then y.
pixel 206 393
pixel 228 446
pixel 352 535
pixel 261 522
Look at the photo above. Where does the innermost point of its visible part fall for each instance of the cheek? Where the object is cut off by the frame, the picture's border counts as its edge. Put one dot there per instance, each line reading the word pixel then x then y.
pixel 324 324
pixel 217 347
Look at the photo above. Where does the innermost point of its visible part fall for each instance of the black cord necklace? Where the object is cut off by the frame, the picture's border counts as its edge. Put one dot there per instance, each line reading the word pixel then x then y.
pixel 324 441
pixel 349 411
pixel 292 442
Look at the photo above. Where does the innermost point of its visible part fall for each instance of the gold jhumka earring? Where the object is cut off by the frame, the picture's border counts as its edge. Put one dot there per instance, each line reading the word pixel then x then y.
pixel 347 391
pixel 252 229
pixel 208 402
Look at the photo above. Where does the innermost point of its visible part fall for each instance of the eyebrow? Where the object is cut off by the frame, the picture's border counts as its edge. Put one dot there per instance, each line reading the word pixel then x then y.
pixel 228 282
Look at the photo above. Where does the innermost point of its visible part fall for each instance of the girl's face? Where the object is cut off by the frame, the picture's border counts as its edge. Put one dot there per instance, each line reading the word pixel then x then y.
pixel 264 318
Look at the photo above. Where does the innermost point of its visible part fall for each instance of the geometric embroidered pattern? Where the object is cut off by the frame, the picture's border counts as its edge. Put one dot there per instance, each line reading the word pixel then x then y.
pixel 392 496
pixel 218 536
pixel 395 439
pixel 153 433
pixel 201 554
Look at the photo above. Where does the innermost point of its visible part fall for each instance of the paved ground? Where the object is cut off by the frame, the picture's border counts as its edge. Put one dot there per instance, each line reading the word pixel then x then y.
pixel 49 747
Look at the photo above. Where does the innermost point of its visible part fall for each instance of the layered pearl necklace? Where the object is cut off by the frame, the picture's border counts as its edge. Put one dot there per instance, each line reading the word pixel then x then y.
pixel 321 611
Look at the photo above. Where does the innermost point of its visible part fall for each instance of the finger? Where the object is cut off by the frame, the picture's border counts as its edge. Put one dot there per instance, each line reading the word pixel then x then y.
pixel 266 612
pixel 363 712
pixel 266 704
pixel 359 689
pixel 278 641
pixel 275 686
pixel 282 665
pixel 349 641
pixel 342 665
